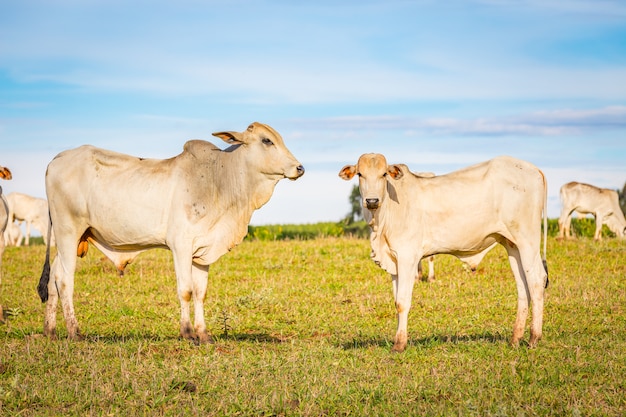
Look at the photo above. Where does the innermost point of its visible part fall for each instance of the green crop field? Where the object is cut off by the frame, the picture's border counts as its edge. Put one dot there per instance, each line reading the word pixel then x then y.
pixel 305 328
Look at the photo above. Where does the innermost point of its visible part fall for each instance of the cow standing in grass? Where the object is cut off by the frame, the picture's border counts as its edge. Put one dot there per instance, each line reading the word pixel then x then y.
pixel 5 174
pixel 602 203
pixel 197 204
pixel 413 217
pixel 33 211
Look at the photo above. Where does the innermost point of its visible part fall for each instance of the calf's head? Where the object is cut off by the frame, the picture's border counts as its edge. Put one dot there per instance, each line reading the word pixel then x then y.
pixel 373 173
pixel 265 150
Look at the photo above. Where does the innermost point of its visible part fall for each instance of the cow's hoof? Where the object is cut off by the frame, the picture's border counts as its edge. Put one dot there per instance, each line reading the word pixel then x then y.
pixel 78 337
pixel 534 340
pixel 50 334
pixel 205 339
pixel 398 347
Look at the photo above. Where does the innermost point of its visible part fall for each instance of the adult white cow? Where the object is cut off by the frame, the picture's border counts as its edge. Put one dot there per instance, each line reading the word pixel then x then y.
pixel 5 174
pixel 413 217
pixel 198 204
pixel 33 211
pixel 602 203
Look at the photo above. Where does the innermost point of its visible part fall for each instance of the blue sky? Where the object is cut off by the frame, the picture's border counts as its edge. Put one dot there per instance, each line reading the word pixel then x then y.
pixel 435 85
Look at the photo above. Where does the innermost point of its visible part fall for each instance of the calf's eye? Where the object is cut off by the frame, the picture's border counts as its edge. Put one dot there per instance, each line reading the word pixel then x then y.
pixel 266 141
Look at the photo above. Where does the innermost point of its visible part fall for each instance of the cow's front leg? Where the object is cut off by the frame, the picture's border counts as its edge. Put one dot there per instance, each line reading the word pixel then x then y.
pixel 403 293
pixel 599 222
pixel 199 275
pixel 184 285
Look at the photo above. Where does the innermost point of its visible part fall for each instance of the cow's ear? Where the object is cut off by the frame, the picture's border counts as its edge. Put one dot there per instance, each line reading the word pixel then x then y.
pixel 5 173
pixel 233 138
pixel 347 172
pixel 395 172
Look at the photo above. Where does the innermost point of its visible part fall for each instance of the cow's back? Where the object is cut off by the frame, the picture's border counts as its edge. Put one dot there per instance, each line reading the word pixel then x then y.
pixel 462 212
pixel 112 192
pixel 482 196
pixel 586 198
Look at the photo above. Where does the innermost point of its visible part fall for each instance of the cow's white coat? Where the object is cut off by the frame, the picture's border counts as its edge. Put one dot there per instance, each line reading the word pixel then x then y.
pixel 413 217
pixel 198 204
pixel 602 203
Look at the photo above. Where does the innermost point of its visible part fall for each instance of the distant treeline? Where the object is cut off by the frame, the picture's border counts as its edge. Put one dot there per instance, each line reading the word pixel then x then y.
pixel 307 231
pixel 580 228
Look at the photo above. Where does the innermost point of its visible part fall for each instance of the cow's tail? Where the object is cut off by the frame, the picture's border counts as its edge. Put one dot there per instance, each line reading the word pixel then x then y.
pixel 42 288
pixel 545 228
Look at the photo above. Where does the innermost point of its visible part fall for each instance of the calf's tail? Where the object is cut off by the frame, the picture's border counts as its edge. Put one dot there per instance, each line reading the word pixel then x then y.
pixel 42 288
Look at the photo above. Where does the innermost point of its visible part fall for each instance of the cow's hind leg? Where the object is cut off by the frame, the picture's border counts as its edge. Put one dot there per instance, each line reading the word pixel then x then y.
pixel 530 279
pixel 431 270
pixel 523 296
pixel 199 275
pixel 564 222
pixel 62 280
pixel 50 313
pixel 536 279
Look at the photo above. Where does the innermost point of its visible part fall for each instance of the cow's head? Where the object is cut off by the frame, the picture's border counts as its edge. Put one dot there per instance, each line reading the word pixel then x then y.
pixel 373 173
pixel 265 150
pixel 615 222
pixel 5 174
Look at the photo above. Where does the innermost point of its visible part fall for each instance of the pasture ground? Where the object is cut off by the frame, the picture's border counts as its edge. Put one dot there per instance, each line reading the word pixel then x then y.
pixel 304 328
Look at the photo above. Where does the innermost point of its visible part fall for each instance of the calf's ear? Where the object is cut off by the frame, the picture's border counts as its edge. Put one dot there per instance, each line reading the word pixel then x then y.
pixel 347 172
pixel 395 171
pixel 233 138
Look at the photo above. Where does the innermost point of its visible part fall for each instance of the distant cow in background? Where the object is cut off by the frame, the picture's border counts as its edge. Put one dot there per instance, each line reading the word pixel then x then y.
pixel 13 235
pixel 602 203
pixel 33 211
pixel 5 174
pixel 413 217
pixel 197 204
pixel 471 262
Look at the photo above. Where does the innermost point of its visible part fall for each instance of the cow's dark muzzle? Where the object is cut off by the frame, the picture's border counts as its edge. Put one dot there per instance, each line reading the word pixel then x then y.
pixel 299 172
pixel 372 203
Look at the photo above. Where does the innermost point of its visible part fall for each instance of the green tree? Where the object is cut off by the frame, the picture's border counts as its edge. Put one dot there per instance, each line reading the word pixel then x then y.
pixel 355 213
pixel 622 198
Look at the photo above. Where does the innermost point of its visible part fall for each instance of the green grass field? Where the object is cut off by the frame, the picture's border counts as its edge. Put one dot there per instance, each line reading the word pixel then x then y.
pixel 305 328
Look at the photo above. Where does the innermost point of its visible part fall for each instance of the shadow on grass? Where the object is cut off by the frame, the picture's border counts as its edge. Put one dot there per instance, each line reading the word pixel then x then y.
pixel 429 341
pixel 152 337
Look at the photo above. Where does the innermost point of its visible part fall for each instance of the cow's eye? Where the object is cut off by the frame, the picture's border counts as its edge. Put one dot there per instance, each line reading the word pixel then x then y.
pixel 266 141
pixel 358 174
pixel 384 175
